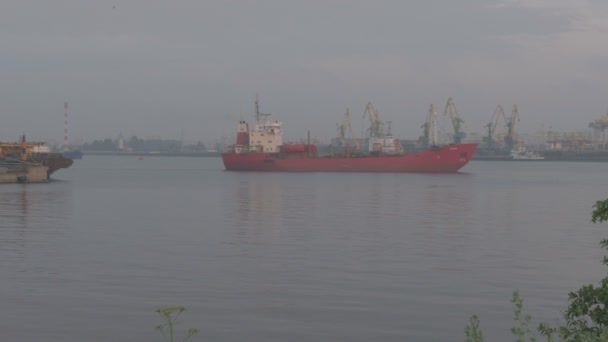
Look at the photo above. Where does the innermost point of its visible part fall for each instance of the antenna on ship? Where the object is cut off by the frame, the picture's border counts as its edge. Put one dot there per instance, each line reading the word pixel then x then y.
pixel 257 109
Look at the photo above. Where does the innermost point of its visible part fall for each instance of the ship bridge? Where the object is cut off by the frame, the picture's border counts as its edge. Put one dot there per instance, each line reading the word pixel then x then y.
pixel 266 137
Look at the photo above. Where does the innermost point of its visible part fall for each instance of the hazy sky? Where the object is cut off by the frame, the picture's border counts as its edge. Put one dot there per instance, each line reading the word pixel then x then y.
pixel 192 67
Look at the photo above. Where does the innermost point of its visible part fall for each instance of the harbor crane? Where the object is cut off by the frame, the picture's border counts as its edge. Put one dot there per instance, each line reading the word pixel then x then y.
pixel 430 128
pixel 510 139
pixel 491 126
pixel 456 121
pixel 341 133
pixel 342 130
pixel 375 128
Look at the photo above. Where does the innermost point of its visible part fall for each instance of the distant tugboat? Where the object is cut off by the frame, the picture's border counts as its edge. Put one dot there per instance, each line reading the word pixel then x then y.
pixel 522 154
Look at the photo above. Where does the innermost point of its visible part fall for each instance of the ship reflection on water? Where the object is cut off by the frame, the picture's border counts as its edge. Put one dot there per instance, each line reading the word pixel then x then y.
pixel 259 205
pixel 28 213
pixel 13 223
pixel 267 203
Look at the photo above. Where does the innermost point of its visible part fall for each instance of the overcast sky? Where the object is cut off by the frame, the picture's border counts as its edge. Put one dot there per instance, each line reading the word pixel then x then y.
pixel 193 67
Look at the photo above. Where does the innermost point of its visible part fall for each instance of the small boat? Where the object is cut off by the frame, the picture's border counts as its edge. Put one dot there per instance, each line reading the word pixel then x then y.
pixel 522 154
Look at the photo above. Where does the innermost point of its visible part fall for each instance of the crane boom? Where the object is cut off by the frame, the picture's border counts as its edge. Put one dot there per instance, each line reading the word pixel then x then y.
pixel 374 129
pixel 430 128
pixel 498 113
pixel 510 138
pixel 450 108
pixel 341 134
pixel 351 135
pixel 343 129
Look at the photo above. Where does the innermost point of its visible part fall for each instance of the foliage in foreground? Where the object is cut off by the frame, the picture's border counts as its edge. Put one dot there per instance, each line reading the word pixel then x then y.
pixel 169 316
pixel 522 332
pixel 585 319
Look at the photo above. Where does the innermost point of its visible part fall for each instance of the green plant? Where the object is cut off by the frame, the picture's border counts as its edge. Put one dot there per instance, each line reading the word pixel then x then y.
pixel 586 317
pixel 472 331
pixel 587 312
pixel 522 320
pixel 600 211
pixel 474 334
pixel 169 316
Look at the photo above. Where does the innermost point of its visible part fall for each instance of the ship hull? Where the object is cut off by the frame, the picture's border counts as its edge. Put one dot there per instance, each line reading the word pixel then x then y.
pixel 54 161
pixel 446 159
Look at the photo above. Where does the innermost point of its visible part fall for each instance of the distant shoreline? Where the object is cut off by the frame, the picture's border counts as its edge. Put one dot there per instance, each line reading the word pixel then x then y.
pixel 152 154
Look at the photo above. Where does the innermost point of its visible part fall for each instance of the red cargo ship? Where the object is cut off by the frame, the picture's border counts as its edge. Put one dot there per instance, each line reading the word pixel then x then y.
pixel 262 149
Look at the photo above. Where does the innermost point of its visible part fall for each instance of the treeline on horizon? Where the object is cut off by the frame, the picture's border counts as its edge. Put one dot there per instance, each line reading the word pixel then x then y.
pixel 143 145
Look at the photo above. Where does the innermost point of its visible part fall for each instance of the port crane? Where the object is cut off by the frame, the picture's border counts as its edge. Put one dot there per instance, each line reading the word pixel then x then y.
pixel 341 133
pixel 510 139
pixel 430 128
pixel 491 126
pixel 599 131
pixel 456 121
pixel 342 130
pixel 375 128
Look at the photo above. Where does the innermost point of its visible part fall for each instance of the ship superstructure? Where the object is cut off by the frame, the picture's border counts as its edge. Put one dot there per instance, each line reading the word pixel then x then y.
pixel 266 137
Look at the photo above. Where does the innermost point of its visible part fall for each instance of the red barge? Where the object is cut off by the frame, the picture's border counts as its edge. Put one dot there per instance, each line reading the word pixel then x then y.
pixel 262 149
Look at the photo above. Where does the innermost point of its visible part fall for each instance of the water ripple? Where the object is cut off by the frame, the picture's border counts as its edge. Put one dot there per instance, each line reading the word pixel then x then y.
pixel 298 257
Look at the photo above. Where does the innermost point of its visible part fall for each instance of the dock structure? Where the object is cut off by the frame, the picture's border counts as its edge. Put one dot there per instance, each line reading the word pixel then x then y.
pixel 24 174
pixel 29 162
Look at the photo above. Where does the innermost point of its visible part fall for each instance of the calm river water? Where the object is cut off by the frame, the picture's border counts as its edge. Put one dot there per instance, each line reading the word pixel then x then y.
pixel 293 256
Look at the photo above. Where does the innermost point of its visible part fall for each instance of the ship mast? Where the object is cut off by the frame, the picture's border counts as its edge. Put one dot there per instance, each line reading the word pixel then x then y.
pixel 258 114
pixel 257 109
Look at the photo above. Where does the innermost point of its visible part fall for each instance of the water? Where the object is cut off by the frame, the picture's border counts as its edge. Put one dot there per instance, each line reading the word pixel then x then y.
pixel 293 257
